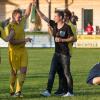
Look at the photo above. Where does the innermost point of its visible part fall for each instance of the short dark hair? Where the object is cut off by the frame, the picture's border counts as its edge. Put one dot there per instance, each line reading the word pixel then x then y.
pixel 60 13
pixel 17 11
pixel 90 23
pixel 68 13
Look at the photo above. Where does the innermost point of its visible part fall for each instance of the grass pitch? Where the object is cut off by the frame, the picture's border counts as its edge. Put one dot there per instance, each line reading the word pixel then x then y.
pixel 37 76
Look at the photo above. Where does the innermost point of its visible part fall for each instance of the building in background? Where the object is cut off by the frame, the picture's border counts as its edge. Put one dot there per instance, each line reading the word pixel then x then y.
pixel 86 10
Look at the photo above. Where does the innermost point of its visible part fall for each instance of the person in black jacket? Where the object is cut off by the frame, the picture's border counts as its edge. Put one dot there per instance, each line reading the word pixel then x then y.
pixel 94 75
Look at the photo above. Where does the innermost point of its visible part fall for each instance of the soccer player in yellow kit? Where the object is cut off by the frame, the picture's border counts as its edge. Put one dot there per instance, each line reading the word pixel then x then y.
pixel 18 56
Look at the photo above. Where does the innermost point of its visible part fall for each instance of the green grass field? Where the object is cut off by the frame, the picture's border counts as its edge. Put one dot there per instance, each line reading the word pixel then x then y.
pixel 39 64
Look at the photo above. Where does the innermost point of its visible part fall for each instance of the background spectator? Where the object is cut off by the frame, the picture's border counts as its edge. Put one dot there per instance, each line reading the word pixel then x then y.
pixel 89 29
pixel 74 19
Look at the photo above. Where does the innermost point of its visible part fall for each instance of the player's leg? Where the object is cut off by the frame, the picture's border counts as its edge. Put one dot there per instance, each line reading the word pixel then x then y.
pixel 66 67
pixel 53 70
pixel 21 79
pixel 13 73
pixel 62 86
pixel 12 82
pixel 22 72
pixel 96 81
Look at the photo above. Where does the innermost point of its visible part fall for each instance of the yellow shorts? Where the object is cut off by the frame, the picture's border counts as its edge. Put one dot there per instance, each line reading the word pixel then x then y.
pixel 18 58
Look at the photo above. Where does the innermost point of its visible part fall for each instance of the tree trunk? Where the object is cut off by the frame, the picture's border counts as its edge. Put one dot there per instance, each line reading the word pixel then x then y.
pixel 66 3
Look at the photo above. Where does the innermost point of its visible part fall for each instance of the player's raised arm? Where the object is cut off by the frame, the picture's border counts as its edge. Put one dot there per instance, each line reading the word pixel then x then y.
pixel 28 10
pixel 42 15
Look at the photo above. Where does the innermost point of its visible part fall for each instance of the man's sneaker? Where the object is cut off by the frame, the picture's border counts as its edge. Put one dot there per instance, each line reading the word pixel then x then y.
pixel 46 93
pixel 18 94
pixel 59 92
pixel 68 94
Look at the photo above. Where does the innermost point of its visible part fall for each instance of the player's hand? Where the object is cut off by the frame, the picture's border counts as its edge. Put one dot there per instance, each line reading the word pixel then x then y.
pixel 33 2
pixel 28 40
pixel 57 39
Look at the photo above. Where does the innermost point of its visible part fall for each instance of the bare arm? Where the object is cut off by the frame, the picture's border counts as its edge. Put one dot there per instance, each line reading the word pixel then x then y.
pixel 17 42
pixel 42 15
pixel 28 10
pixel 70 39
pixel 10 38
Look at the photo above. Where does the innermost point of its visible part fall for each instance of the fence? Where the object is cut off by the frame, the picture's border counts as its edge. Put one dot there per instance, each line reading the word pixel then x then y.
pixel 83 41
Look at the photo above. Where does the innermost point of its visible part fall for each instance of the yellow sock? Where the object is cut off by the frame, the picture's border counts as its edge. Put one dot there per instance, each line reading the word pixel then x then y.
pixel 20 81
pixel 12 83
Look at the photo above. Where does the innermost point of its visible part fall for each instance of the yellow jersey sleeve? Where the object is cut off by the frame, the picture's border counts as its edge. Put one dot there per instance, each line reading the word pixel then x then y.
pixel 70 45
pixel 2 32
pixel 73 29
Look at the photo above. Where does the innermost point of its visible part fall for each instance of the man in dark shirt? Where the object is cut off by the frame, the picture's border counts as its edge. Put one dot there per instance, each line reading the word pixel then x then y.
pixel 63 35
pixel 67 19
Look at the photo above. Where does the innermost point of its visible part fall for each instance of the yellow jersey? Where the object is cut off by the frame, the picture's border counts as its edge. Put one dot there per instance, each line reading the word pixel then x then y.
pixel 70 45
pixel 19 33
